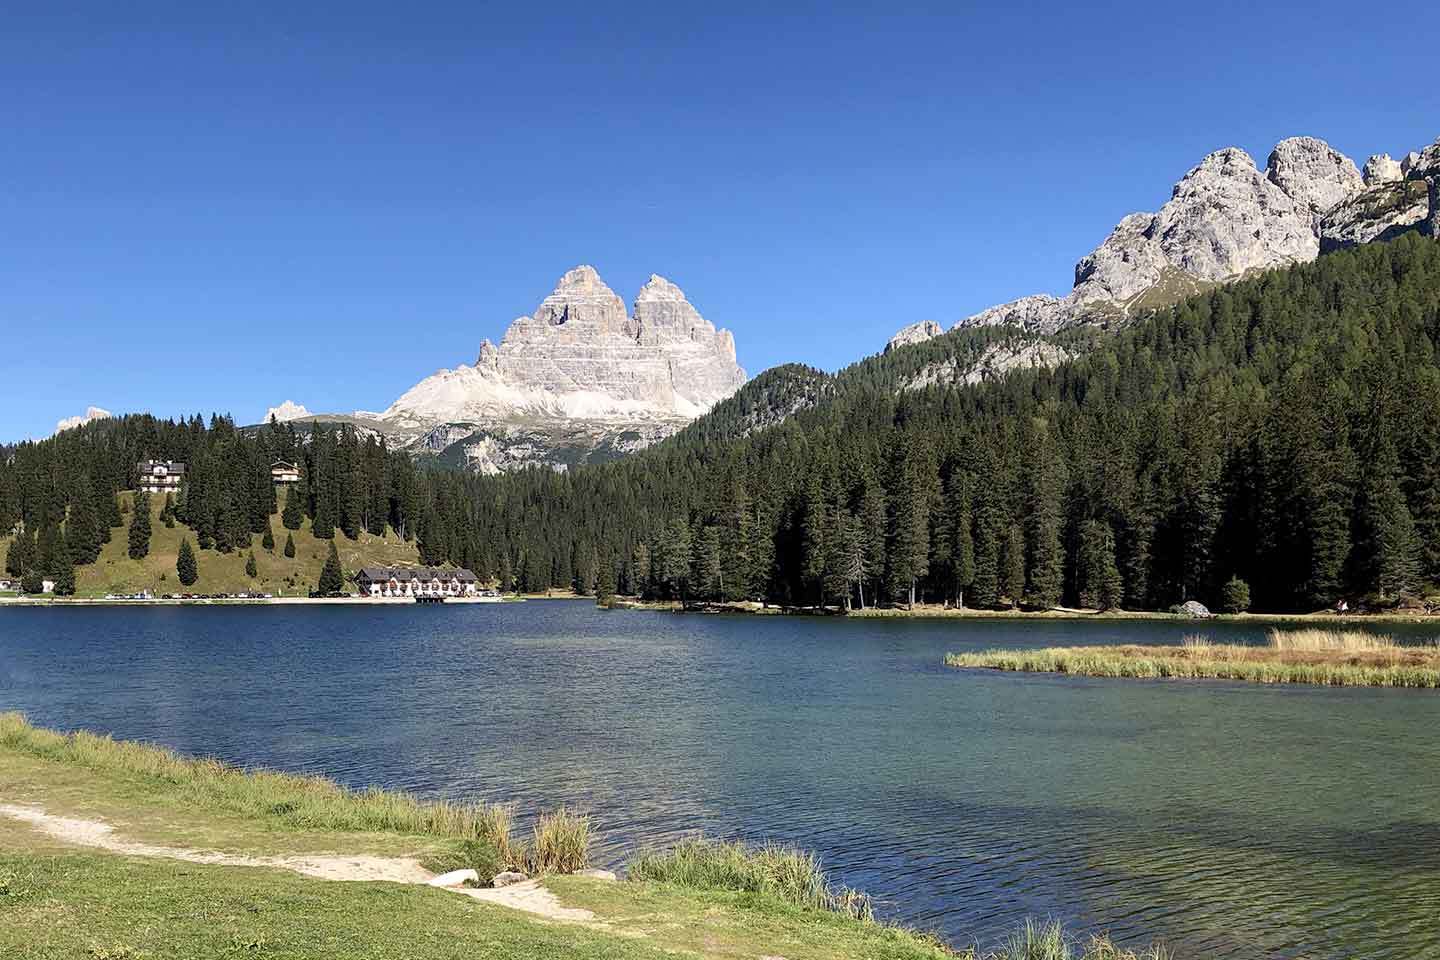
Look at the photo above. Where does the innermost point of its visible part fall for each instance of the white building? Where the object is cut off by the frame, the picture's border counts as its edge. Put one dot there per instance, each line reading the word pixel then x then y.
pixel 416 582
pixel 160 476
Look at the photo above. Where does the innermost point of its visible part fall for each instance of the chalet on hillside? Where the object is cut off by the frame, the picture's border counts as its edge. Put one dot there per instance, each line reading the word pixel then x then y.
pixel 283 471
pixel 160 476
pixel 416 582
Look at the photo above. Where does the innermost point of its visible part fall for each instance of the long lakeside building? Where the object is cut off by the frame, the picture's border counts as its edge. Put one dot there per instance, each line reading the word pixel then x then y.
pixel 416 582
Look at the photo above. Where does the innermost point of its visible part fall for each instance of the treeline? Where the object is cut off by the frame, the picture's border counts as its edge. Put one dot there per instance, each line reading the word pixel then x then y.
pixel 1281 433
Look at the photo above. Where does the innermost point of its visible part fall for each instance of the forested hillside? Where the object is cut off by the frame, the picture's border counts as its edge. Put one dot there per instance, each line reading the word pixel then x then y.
pixel 1284 431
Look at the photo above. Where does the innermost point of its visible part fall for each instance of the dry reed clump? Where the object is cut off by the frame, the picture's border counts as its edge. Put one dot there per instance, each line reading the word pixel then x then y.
pixel 1325 657
pixel 560 843
pixel 787 873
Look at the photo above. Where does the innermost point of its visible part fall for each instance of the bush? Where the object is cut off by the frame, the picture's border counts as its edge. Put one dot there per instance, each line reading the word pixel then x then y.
pixel 1235 596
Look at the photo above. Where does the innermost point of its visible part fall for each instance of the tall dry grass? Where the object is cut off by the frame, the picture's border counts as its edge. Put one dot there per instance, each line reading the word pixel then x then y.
pixel 1048 941
pixel 787 873
pixel 1317 639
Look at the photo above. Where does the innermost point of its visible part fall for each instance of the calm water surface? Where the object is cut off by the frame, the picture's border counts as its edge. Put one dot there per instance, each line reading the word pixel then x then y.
pixel 1234 821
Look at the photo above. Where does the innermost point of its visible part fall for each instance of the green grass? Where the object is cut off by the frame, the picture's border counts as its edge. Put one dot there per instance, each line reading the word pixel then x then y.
pixel 783 872
pixel 115 572
pixel 1322 657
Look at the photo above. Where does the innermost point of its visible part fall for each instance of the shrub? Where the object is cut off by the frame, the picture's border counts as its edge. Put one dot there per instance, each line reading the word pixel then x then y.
pixel 1235 596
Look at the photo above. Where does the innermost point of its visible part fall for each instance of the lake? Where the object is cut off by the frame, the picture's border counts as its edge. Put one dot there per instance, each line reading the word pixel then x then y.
pixel 1232 820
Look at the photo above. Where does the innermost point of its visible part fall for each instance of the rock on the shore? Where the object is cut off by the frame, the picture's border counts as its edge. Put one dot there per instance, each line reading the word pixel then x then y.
pixel 1192 608
pixel 596 874
pixel 454 878
pixel 508 878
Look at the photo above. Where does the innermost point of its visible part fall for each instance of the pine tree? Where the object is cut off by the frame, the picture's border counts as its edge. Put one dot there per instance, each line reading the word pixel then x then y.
pixel 1097 575
pixel 1045 490
pixel 1388 537
pixel 1012 565
pixel 332 577
pixel 290 545
pixel 1235 596
pixel 167 512
pixel 65 580
pixel 639 570
pixel 20 557
pixel 250 569
pixel 294 513
pixel 185 566
pixel 605 579
pixel 960 543
pixel 909 551
pixel 51 553
pixel 140 527
pixel 82 528
pixel 268 540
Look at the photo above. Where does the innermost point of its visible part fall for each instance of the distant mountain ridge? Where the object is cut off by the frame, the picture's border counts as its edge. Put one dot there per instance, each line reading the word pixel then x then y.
pixel 580 379
pixel 1226 219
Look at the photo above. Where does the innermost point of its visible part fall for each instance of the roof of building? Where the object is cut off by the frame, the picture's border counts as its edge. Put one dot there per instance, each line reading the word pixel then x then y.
pixel 283 465
pixel 171 467
pixel 401 574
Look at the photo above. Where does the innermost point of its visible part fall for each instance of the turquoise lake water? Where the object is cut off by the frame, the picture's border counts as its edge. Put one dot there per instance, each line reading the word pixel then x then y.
pixel 1231 820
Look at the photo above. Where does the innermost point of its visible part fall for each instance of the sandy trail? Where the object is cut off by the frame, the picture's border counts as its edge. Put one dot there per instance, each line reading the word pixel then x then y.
pixel 529 896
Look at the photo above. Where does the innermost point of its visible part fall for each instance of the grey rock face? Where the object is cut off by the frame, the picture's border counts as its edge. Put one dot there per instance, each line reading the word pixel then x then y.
pixel 1313 174
pixel 1035 314
pixel 915 333
pixel 1226 218
pixel 1380 168
pixel 1381 212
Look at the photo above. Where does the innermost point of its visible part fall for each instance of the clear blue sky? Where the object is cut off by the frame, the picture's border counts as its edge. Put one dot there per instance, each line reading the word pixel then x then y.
pixel 218 209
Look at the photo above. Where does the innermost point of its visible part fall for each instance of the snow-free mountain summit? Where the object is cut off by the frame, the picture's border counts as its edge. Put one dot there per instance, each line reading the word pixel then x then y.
pixel 580 379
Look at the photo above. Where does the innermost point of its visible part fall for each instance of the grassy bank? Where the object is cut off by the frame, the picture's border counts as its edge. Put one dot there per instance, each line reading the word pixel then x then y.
pixel 116 572
pixel 1313 656
pixel 699 898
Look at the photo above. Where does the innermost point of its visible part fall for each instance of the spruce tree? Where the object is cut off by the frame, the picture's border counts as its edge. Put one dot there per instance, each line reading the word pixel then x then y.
pixel 1235 596
pixel 605 579
pixel 167 512
pixel 294 514
pixel 52 555
pixel 65 580
pixel 250 569
pixel 140 526
pixel 1098 580
pixel 332 577
pixel 639 570
pixel 1012 565
pixel 185 567
pixel 21 557
pixel 1045 490
pixel 290 545
pixel 82 528
pixel 268 540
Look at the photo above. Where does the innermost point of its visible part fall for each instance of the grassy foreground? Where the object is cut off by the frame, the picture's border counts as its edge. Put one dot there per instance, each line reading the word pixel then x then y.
pixel 698 899
pixel 1324 657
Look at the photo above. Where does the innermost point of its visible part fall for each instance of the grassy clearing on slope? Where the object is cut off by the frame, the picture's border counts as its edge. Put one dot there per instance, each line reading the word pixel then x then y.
pixel 115 572
pixel 1314 656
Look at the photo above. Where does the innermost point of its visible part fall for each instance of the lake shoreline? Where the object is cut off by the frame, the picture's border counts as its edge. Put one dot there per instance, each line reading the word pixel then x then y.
pixel 92 602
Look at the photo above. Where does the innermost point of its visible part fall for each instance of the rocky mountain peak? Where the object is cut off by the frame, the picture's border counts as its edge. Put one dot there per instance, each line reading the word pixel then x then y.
pixel 658 288
pixel 915 333
pixel 1313 174
pixel 1226 218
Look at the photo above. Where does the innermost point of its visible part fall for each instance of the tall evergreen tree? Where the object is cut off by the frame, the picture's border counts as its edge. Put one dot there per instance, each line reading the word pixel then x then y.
pixel 290 545
pixel 251 570
pixel 332 577
pixel 1012 564
pixel 82 527
pixel 185 566
pixel 268 540
pixel 294 513
pixel 1099 583
pixel 140 526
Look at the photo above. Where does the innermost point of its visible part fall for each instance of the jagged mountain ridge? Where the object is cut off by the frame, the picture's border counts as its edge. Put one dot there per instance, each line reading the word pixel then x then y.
pixel 580 379
pixel 1226 219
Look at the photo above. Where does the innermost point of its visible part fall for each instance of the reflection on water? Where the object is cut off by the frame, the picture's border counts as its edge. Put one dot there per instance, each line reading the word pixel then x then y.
pixel 1231 820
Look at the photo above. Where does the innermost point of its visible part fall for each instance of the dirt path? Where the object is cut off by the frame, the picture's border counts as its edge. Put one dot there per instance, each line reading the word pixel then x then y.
pixel 529 896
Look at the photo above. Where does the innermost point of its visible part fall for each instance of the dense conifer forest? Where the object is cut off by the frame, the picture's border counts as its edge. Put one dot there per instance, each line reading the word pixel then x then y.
pixel 1275 443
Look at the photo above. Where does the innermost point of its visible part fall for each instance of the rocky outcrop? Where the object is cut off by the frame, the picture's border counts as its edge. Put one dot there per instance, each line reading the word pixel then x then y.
pixel 1381 212
pixel 1379 169
pixel 1225 219
pixel 1313 174
pixel 90 414
pixel 289 410
pixel 993 363
pixel 915 333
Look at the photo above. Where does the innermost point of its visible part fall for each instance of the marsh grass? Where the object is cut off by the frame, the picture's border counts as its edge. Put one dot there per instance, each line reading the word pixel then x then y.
pixel 1314 656
pixel 560 843
pixel 1048 941
pixel 296 802
pixel 770 869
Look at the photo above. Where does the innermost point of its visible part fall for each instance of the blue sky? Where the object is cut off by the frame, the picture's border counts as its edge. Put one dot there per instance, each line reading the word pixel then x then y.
pixel 221 209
